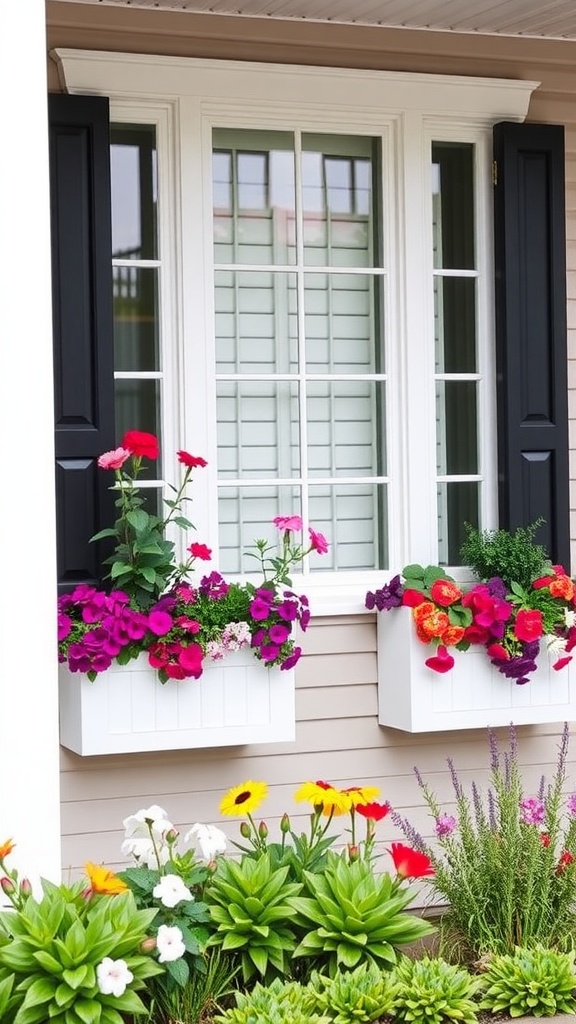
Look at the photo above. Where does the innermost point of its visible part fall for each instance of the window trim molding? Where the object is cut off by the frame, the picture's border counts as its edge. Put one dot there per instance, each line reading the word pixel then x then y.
pixel 410 108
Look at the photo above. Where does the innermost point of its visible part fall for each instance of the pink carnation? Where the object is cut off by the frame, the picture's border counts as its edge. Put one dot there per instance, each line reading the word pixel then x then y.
pixel 114 459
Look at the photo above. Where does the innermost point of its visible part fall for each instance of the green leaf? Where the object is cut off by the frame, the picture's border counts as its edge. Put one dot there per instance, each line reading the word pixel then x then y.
pixel 88 1010
pixel 178 970
pixel 41 991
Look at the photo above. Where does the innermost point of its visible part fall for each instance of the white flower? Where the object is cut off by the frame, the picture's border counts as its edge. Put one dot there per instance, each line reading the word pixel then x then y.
pixel 569 617
pixel 169 943
pixel 206 841
pixel 171 890
pixel 556 644
pixel 113 977
pixel 143 851
pixel 153 817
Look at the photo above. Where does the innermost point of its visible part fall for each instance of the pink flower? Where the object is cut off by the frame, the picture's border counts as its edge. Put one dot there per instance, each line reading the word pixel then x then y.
pixel 293 523
pixel 114 459
pixel 529 625
pixel 562 662
pixel 160 623
pixel 318 541
pixel 191 660
pixel 442 661
pixel 200 551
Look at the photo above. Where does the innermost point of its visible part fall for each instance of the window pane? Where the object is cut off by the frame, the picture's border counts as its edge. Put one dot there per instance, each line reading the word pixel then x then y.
pixel 354 517
pixel 135 318
pixel 457 430
pixel 138 408
pixel 342 323
pixel 134 191
pixel 337 201
pixel 258 429
pixel 253 197
pixel 246 515
pixel 455 324
pixel 453 205
pixel 458 504
pixel 344 422
pixel 256 322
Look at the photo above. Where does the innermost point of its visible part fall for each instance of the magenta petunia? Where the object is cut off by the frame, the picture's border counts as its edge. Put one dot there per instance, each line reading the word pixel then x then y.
pixel 160 623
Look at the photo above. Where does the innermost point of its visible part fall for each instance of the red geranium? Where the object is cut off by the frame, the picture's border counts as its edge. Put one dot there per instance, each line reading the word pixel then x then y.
pixel 190 460
pixel 445 592
pixel 141 444
pixel 529 625
pixel 412 598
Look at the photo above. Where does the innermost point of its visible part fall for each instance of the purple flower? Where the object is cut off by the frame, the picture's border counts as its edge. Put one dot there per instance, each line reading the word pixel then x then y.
pixel 269 653
pixel 497 587
pixel 278 633
pixel 288 611
pixel 291 660
pixel 571 805
pixel 445 825
pixel 259 609
pixel 160 623
pixel 387 597
pixel 532 811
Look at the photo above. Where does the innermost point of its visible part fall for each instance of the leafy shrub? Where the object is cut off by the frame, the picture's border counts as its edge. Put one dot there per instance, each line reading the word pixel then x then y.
pixel 505 862
pixel 352 915
pixel 250 901
pixel 53 952
pixel 513 556
pixel 277 1003
pixel 431 991
pixel 538 982
pixel 364 994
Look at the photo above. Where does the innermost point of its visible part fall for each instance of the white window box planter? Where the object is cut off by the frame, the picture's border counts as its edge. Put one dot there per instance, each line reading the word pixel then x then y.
pixel 473 695
pixel 127 709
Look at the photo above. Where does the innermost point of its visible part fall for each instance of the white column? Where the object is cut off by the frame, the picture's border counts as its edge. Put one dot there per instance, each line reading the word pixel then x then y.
pixel 29 753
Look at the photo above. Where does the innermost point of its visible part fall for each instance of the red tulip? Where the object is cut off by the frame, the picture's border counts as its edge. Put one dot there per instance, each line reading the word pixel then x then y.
pixel 410 863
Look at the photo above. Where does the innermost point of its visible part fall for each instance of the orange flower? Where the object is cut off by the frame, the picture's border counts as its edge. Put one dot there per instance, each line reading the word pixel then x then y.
pixel 421 611
pixel 6 848
pixel 435 623
pixel 445 592
pixel 562 586
pixel 104 881
pixel 452 635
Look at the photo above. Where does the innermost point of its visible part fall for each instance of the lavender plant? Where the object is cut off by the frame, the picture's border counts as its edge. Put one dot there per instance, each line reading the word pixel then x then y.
pixel 505 862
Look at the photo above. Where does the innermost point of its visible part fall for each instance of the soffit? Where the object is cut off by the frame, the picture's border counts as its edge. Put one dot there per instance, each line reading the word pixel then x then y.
pixel 555 19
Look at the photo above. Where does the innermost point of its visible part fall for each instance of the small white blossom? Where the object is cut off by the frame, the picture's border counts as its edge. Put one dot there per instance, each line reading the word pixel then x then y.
pixel 556 644
pixel 171 890
pixel 143 851
pixel 154 817
pixel 206 840
pixel 113 977
pixel 169 943
pixel 569 617
pixel 215 651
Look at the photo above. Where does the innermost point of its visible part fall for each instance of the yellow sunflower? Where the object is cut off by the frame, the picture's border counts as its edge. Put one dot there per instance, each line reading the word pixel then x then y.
pixel 104 881
pixel 322 794
pixel 244 799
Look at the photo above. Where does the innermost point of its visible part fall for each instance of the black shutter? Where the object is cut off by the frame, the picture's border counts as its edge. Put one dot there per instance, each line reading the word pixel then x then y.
pixel 83 329
pixel 530 263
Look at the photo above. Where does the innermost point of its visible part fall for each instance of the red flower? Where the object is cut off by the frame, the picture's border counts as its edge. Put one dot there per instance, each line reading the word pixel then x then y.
pixel 442 661
pixel 566 858
pixel 562 586
pixel 412 598
pixel 141 444
pixel 529 625
pixel 445 592
pixel 499 652
pixel 545 839
pixel 476 634
pixel 542 581
pixel 562 662
pixel 410 863
pixel 191 460
pixel 374 811
pixel 200 551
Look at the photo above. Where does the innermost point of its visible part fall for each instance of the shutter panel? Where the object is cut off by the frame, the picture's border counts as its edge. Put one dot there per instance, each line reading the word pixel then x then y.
pixel 83 329
pixel 530 265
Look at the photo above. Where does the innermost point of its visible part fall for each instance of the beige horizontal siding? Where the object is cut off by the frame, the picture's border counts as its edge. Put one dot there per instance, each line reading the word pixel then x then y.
pixel 337 737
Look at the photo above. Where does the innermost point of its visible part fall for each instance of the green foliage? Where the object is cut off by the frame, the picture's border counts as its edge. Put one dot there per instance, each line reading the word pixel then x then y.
pixel 515 557
pixel 364 994
pixel 539 982
pixel 507 867
pixel 353 916
pixel 199 998
pixel 277 1003
pixel 431 991
pixel 50 951
pixel 251 902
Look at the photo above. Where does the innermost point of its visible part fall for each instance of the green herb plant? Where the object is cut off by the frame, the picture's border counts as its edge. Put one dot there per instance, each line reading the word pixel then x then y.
pixel 432 991
pixel 514 556
pixel 50 951
pixel 535 982
pixel 364 994
pixel 251 905
pixel 350 916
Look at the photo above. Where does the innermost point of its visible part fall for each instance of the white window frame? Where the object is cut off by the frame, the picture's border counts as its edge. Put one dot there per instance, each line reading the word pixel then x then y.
pixel 185 98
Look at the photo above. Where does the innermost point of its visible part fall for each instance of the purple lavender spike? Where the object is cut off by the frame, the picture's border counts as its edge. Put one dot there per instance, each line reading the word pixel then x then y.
pixel 418 777
pixel 409 831
pixel 455 780
pixel 478 809
pixel 542 788
pixel 492 810
pixel 563 751
pixel 494 752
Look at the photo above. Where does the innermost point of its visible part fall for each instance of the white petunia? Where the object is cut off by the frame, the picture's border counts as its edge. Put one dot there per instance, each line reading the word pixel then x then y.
pixel 169 943
pixel 556 644
pixel 143 851
pixel 171 890
pixel 569 617
pixel 113 977
pixel 206 840
pixel 138 825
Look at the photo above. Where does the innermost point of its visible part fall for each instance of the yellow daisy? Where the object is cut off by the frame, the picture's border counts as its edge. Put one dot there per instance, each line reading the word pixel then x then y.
pixel 244 799
pixel 360 795
pixel 104 881
pixel 322 794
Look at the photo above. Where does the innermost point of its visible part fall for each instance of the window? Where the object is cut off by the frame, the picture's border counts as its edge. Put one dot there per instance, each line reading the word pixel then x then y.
pixel 302 273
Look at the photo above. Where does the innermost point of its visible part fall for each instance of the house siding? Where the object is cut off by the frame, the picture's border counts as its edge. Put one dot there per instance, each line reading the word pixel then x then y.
pixel 338 737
